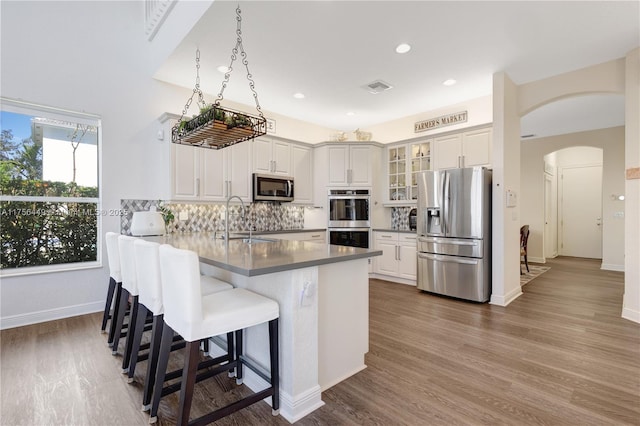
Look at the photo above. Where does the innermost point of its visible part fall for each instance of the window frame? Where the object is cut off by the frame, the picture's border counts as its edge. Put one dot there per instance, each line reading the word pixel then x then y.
pixel 22 107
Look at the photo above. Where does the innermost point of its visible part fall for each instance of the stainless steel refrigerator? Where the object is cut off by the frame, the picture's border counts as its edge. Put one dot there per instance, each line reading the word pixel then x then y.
pixel 454 233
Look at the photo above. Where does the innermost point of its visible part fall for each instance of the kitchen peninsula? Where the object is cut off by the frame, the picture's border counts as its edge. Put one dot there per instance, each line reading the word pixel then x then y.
pixel 323 293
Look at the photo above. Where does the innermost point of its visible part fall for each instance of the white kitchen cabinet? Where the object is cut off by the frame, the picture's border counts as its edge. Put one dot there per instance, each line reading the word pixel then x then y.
pixel 466 149
pixel 349 165
pixel 302 172
pixel 272 156
pixel 407 256
pixel 238 171
pixel 185 177
pixel 404 164
pixel 387 264
pixel 196 173
pixel 201 174
pixel 399 256
pixel 476 147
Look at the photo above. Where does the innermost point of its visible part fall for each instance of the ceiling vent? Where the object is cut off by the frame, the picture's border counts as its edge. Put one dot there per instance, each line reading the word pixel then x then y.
pixel 377 87
pixel 528 136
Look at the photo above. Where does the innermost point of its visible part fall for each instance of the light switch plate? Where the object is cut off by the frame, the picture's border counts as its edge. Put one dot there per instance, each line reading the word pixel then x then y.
pixel 183 216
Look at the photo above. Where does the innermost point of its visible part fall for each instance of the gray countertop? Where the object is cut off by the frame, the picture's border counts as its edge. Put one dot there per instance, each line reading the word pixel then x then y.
pixel 262 257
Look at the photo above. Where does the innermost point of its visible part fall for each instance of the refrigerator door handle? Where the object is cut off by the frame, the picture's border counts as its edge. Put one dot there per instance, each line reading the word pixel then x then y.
pixel 451 259
pixel 448 241
pixel 445 202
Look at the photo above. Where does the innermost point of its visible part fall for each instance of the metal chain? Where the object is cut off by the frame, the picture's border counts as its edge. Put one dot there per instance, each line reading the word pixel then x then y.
pixel 234 56
pixel 196 89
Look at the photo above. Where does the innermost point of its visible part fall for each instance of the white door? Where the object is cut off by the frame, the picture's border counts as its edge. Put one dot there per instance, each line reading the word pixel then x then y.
pixel 581 206
pixel 550 233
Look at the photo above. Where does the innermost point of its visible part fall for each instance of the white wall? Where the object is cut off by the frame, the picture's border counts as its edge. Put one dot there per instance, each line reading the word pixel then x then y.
pixel 611 142
pixel 68 58
pixel 505 233
pixel 618 76
pixel 60 54
pixel 631 301
pixel 480 111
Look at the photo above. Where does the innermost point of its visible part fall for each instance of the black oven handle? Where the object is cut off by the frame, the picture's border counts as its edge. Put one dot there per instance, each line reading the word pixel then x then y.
pixel 349 229
pixel 349 197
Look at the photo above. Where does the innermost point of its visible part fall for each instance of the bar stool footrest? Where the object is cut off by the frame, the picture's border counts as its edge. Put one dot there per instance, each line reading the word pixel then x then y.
pixel 232 408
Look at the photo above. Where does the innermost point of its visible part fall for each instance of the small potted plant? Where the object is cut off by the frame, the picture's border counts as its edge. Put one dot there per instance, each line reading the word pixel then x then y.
pixel 167 215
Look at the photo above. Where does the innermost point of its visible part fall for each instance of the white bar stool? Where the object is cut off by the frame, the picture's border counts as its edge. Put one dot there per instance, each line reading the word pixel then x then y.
pixel 197 317
pixel 112 303
pixel 150 300
pixel 129 289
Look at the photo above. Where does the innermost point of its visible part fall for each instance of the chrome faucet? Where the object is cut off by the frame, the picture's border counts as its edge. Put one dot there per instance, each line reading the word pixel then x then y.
pixel 226 216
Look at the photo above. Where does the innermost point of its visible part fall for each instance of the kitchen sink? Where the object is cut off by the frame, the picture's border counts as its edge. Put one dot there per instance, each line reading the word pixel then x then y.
pixel 258 240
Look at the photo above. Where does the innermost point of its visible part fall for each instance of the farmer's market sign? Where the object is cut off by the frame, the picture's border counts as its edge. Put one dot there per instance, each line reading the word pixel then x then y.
pixel 442 121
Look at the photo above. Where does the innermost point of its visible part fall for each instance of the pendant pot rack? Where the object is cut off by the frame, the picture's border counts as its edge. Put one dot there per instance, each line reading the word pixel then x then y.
pixel 217 127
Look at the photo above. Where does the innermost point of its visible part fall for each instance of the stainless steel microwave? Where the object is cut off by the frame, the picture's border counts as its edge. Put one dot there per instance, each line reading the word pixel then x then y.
pixel 272 188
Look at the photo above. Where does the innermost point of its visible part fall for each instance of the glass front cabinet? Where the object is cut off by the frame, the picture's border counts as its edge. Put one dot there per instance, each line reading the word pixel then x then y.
pixel 404 162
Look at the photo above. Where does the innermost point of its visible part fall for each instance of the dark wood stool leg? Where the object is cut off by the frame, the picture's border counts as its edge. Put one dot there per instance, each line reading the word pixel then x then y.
pixel 161 370
pixel 239 350
pixel 526 262
pixel 137 338
pixel 205 346
pixel 122 308
pixel 114 316
pixel 275 366
pixel 189 371
pixel 152 363
pixel 133 321
pixel 108 304
pixel 230 353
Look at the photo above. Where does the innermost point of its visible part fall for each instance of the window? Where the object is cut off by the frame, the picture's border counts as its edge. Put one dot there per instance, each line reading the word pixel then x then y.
pixel 49 189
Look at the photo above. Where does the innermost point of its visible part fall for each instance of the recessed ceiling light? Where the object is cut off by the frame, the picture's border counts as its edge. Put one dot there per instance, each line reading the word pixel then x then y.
pixel 449 82
pixel 298 95
pixel 403 48
pixel 351 113
pixel 223 69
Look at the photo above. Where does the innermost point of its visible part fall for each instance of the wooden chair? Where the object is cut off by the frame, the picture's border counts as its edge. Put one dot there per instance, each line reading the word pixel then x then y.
pixel 524 237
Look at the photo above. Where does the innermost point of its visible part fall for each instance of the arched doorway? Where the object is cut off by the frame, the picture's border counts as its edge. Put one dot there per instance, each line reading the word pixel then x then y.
pixel 545 158
pixel 573 209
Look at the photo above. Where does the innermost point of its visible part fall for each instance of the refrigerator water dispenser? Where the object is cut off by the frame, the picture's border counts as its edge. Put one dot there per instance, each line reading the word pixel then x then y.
pixel 434 225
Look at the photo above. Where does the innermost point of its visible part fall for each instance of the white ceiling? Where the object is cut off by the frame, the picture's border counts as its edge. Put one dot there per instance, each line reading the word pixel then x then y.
pixel 328 50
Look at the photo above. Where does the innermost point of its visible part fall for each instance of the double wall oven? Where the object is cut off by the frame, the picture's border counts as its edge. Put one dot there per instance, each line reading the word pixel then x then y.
pixel 349 217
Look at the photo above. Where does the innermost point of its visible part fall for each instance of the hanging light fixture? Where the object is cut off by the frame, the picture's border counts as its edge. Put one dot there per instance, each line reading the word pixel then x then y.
pixel 217 127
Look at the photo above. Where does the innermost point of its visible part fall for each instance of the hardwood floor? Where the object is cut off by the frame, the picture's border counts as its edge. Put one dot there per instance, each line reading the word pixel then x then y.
pixel 559 355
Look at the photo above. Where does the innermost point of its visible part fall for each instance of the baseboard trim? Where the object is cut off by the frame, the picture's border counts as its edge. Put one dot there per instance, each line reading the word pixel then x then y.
pixel 292 408
pixel 631 315
pixel 393 279
pixel 612 267
pixel 50 315
pixel 326 386
pixel 536 260
pixel 507 298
